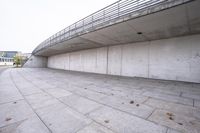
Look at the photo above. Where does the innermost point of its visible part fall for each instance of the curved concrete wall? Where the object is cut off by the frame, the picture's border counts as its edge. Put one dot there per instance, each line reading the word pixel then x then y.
pixel 169 59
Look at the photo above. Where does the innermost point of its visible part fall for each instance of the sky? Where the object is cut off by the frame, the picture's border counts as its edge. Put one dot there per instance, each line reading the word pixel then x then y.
pixel 24 24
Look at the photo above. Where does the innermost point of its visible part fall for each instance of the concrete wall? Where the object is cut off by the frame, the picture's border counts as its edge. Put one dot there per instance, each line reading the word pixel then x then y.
pixel 36 61
pixel 170 59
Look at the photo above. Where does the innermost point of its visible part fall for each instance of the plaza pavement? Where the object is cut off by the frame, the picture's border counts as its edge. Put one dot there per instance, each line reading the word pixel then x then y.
pixel 41 100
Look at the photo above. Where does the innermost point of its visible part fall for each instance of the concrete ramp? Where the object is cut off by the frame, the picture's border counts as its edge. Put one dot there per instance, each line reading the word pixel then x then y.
pixel 36 62
pixel 156 39
pixel 133 21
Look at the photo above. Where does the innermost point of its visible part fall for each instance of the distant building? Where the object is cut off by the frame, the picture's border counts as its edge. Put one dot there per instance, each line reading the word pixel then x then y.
pixel 7 57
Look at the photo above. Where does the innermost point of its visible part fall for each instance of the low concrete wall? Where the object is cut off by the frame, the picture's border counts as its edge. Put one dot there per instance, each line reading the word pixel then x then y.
pixel 169 59
pixel 36 61
pixel 6 63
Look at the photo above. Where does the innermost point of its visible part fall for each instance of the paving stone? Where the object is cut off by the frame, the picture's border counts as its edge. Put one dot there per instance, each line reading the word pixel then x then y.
pixel 192 95
pixel 125 84
pixel 41 100
pixel 174 107
pixel 29 125
pixel 47 109
pixel 197 103
pixel 196 85
pixel 43 85
pixel 120 92
pixel 95 128
pixel 133 106
pixel 13 112
pixel 87 91
pixel 172 131
pixel 165 90
pixel 176 121
pixel 90 94
pixel 169 98
pixel 58 92
pixel 9 94
pixel 81 104
pixel 70 87
pixel 23 85
pixel 123 123
pixel 30 90
pixel 187 89
pixel 61 118
pixel 150 83
pixel 55 82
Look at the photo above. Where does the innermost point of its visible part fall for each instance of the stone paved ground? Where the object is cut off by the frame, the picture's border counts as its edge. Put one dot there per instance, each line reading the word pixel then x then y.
pixel 46 100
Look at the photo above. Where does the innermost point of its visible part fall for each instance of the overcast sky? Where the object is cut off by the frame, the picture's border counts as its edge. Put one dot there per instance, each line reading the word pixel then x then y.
pixel 26 23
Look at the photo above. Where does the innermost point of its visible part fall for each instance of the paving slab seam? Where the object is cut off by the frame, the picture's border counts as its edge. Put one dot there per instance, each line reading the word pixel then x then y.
pixel 137 116
pixel 96 123
pixel 181 94
pixel 160 124
pixel 32 93
pixel 173 102
pixel 105 87
pixel 193 102
pixel 93 110
pixel 146 100
pixel 77 112
pixel 11 101
pixel 108 76
pixel 151 113
pixel 110 106
pixel 167 130
pixel 98 103
pixel 13 123
pixel 71 91
pixel 89 89
pixel 175 130
pixel 104 105
pixel 164 93
pixel 67 106
pixel 125 111
pixel 83 127
pixel 31 83
pixel 103 125
pixel 28 103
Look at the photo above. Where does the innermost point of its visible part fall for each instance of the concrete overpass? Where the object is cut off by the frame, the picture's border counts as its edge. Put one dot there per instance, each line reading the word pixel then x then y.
pixel 139 38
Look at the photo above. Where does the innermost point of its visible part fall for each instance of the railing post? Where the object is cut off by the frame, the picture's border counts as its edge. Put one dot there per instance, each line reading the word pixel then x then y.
pixel 59 34
pixel 83 25
pixel 69 31
pixel 118 8
pixel 64 34
pixel 92 21
pixel 75 28
pixel 103 16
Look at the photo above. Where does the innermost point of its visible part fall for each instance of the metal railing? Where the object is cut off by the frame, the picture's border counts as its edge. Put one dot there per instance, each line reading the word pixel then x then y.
pixel 117 12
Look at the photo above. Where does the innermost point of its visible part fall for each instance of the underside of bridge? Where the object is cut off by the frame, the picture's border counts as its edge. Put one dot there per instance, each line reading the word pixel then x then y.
pixel 159 44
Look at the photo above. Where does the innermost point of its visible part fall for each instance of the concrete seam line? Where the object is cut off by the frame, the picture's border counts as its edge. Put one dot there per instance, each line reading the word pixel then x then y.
pixel 29 103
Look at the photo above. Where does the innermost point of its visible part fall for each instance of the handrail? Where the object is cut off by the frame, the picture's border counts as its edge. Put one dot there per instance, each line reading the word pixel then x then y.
pixel 114 13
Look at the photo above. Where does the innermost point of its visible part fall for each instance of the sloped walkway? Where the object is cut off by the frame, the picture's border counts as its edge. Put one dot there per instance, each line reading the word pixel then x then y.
pixel 47 100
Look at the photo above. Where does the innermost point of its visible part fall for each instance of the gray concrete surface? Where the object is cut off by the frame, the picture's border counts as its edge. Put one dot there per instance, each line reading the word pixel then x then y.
pixel 180 20
pixel 36 62
pixel 170 59
pixel 56 101
pixel 168 47
pixel 2 68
